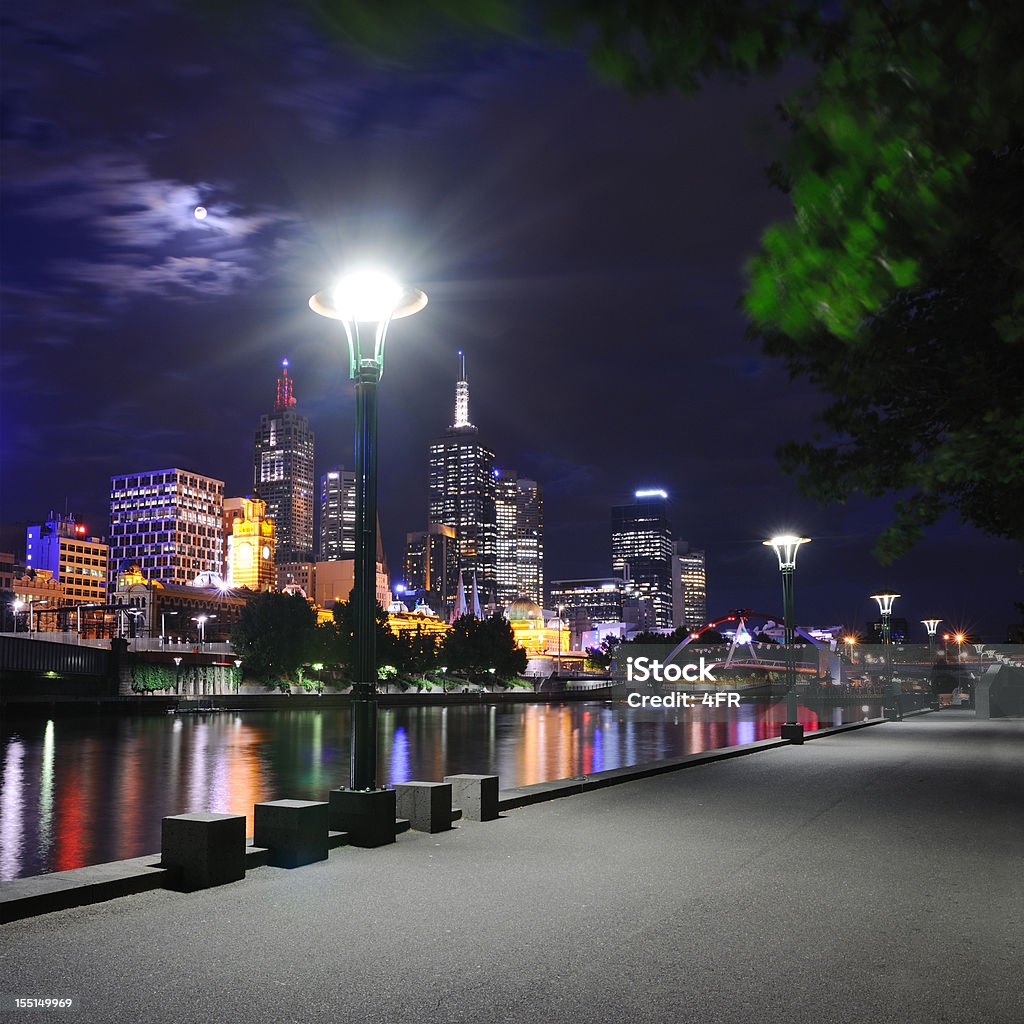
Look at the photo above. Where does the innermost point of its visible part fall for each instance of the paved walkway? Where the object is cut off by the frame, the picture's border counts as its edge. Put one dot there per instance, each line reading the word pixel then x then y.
pixel 872 876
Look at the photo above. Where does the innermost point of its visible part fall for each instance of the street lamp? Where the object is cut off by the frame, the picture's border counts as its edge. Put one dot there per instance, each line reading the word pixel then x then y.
pixel 177 674
pixel 163 626
pixel 201 619
pixel 932 626
pixel 786 547
pixel 560 609
pixel 16 605
pixel 885 600
pixel 366 302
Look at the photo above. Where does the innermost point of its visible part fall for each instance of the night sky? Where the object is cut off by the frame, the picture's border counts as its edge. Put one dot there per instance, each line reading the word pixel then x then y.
pixel 584 248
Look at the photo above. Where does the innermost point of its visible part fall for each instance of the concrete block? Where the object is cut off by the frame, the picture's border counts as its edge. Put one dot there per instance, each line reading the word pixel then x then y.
pixel 368 816
pixel 427 805
pixel 202 850
pixel 294 831
pixel 477 795
pixel 794 732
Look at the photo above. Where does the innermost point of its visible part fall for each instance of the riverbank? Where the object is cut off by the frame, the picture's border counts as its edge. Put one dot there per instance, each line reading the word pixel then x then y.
pixel 861 877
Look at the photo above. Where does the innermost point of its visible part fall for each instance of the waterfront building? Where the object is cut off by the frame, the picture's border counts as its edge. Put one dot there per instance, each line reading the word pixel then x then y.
pixel 598 600
pixel 6 570
pixel 422 621
pixel 643 550
pixel 251 547
pixel 283 472
pixel 63 547
pixel 333 581
pixel 337 514
pixel 535 632
pixel 38 600
pixel 168 522
pixel 463 493
pixel 689 587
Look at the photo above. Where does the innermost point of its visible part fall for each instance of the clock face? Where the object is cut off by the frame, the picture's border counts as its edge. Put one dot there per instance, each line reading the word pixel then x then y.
pixel 244 556
pixel 266 551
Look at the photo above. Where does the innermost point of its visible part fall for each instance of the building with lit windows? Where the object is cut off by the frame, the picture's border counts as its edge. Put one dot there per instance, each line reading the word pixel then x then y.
pixel 430 566
pixel 337 514
pixel 643 550
pixel 463 494
pixel 283 472
pixel 537 635
pixel 506 517
pixel 251 546
pixel 689 587
pixel 77 561
pixel 530 539
pixel 168 522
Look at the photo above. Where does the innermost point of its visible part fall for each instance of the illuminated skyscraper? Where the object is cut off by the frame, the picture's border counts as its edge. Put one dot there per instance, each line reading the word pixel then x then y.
pixel 283 473
pixel 643 550
pixel 689 587
pixel 169 522
pixel 463 493
pixel 530 540
pixel 337 514
pixel 431 562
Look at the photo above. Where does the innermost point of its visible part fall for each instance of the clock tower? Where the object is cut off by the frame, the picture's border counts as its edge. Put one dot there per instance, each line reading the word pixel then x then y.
pixel 251 546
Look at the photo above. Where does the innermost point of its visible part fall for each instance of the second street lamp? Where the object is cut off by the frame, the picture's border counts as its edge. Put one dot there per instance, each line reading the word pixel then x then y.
pixel 785 547
pixel 932 626
pixel 885 600
pixel 366 302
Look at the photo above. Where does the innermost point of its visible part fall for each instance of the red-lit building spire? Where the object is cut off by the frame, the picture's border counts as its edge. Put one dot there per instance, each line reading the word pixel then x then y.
pixel 285 395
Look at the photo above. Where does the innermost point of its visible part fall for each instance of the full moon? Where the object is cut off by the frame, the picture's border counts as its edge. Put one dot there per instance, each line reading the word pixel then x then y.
pixel 200 213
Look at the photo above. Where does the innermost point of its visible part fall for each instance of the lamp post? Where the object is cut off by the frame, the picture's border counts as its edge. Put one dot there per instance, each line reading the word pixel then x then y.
pixel 932 625
pixel 16 605
pixel 786 547
pixel 885 600
pixel 560 609
pixel 177 675
pixel 201 619
pixel 163 626
pixel 366 302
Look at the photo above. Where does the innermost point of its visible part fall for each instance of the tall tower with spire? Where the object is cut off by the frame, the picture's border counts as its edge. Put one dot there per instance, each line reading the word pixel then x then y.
pixel 283 472
pixel 463 494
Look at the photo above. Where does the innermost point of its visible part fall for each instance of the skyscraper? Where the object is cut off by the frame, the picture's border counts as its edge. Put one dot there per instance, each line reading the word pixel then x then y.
pixel 463 493
pixel 689 587
pixel 530 540
pixel 643 549
pixel 506 516
pixel 169 522
pixel 337 514
pixel 283 473
pixel 431 562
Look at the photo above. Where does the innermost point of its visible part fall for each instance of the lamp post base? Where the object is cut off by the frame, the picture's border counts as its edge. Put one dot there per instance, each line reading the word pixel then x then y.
pixel 368 816
pixel 793 731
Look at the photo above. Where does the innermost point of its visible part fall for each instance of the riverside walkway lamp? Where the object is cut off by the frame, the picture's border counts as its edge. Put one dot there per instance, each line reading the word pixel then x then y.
pixel 885 600
pixel 785 547
pixel 932 625
pixel 366 302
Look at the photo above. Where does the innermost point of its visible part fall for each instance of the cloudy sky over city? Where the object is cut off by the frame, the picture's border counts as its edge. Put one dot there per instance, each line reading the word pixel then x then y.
pixel 584 248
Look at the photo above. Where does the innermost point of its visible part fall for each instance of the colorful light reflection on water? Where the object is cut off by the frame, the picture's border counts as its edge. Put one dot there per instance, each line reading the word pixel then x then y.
pixel 78 791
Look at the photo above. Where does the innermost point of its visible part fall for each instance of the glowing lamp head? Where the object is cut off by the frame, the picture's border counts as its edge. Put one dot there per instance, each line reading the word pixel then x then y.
pixel 886 599
pixel 931 625
pixel 850 641
pixel 959 637
pixel 366 295
pixel 785 546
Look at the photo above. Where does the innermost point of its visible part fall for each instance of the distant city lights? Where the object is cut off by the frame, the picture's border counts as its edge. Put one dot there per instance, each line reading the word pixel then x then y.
pixel 653 492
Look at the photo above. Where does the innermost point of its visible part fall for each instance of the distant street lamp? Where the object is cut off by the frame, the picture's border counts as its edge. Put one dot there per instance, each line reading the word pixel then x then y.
pixel 559 609
pixel 201 619
pixel 786 547
pixel 163 626
pixel 932 625
pixel 177 674
pixel 16 605
pixel 893 707
pixel 851 641
pixel 366 302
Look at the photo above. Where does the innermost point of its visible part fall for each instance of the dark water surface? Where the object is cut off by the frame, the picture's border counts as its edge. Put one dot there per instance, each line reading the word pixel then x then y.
pixel 86 790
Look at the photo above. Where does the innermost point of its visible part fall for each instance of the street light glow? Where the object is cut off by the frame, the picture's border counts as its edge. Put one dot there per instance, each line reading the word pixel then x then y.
pixel 785 546
pixel 366 295
pixel 885 600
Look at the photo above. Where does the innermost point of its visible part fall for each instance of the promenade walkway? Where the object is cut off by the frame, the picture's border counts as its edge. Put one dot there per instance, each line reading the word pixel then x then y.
pixel 872 876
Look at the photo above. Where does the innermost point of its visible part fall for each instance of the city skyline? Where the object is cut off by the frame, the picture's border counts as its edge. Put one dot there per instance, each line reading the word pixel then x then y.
pixel 551 246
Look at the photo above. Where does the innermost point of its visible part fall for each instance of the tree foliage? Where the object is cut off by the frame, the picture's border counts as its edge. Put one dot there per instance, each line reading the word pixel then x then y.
pixel 275 634
pixel 479 645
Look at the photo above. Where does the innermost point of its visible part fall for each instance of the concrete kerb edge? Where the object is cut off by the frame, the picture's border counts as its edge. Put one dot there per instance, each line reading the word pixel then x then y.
pixel 63 890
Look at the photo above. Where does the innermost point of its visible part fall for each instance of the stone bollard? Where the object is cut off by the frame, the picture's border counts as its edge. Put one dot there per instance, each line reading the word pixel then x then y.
pixel 367 816
pixel 294 831
pixel 203 850
pixel 477 795
pixel 427 805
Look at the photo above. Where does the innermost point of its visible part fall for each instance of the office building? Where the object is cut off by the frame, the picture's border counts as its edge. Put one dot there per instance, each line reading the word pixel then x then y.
pixel 463 494
pixel 168 522
pixel 431 563
pixel 643 550
pixel 689 587
pixel 530 540
pixel 283 472
pixel 62 546
pixel 337 514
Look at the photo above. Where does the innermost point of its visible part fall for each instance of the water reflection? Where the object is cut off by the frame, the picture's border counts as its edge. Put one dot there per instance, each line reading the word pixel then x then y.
pixel 80 791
